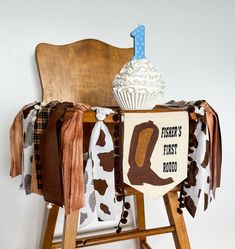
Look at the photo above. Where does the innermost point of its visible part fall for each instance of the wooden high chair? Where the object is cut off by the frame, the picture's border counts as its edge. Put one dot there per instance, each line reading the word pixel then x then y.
pixel 83 72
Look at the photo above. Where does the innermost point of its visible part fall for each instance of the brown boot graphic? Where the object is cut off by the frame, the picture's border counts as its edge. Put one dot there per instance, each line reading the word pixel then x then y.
pixel 143 140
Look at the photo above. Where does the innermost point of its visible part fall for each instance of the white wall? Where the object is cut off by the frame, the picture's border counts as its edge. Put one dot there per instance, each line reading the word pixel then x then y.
pixel 192 45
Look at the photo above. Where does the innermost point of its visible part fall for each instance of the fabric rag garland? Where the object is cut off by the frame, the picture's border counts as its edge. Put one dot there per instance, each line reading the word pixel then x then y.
pixel 99 173
pixel 17 141
pixel 29 117
pixel 50 157
pixel 21 140
pixel 97 193
pixel 212 120
pixel 72 154
pixel 199 174
pixel 205 155
pixel 39 127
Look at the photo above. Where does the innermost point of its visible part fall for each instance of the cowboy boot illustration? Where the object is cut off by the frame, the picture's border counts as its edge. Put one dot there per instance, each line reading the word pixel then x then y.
pixel 143 140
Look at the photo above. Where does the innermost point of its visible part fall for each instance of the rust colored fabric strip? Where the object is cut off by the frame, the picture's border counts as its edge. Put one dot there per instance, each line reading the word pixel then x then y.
pixel 72 149
pixel 215 145
pixel 16 142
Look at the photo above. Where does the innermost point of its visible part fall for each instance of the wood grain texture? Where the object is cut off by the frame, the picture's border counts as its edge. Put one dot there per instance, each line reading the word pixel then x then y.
pixel 80 72
pixel 114 237
pixel 90 116
pixel 180 235
pixel 50 228
pixel 139 199
pixel 145 245
pixel 70 230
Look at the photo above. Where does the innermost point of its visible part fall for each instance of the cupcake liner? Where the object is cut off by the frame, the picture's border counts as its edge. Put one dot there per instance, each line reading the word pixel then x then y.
pixel 135 100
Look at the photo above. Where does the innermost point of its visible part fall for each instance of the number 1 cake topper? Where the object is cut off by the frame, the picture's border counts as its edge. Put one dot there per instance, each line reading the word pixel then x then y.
pixel 139 42
pixel 138 86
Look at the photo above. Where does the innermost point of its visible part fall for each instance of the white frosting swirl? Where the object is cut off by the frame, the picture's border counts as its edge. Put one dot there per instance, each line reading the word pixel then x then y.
pixel 139 76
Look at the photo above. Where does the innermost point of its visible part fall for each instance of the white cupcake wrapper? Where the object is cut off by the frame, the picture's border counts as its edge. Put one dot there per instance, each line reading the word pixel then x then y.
pixel 135 100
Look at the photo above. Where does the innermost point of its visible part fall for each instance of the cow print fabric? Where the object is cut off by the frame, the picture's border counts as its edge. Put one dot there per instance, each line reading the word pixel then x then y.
pixel 29 117
pixel 197 184
pixel 99 173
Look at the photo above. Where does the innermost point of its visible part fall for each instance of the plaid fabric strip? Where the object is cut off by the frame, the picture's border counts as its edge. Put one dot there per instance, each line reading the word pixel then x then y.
pixel 39 126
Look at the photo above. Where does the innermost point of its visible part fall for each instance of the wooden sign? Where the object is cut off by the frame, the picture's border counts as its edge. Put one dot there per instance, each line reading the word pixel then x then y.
pixel 155 151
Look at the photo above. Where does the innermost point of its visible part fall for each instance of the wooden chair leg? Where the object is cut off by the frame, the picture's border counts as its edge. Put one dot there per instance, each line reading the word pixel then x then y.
pixel 50 229
pixel 70 231
pixel 141 219
pixel 145 245
pixel 180 235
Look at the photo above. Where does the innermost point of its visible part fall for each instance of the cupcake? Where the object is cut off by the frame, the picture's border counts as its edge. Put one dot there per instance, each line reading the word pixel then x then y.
pixel 138 86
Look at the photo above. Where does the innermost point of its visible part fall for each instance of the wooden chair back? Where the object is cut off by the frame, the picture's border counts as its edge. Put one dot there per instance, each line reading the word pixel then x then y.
pixel 82 71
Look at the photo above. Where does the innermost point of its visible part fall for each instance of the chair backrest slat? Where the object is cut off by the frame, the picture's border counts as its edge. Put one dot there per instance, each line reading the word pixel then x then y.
pixel 82 71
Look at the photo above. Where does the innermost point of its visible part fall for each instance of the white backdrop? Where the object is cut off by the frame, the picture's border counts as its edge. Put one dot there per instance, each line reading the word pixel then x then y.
pixel 192 43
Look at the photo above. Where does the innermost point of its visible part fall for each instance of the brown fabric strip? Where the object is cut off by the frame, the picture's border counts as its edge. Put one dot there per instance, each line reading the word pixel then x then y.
pixel 51 168
pixel 215 145
pixel 39 126
pixel 34 181
pixel 72 149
